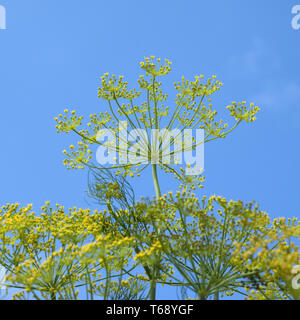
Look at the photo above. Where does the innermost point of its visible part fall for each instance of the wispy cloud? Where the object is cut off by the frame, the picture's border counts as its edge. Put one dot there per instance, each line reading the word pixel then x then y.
pixel 279 96
pixel 249 61
pixel 264 63
pixel 253 60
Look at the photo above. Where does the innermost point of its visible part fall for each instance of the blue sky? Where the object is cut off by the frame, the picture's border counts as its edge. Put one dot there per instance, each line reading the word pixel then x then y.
pixel 53 53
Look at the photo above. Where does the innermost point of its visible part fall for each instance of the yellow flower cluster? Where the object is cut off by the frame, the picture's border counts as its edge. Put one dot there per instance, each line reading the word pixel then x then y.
pixel 66 124
pixel 210 246
pixel 192 109
pixel 274 252
pixel 240 111
pixel 225 246
pixel 150 254
pixel 77 159
pixel 51 255
pixel 156 68
pixel 113 88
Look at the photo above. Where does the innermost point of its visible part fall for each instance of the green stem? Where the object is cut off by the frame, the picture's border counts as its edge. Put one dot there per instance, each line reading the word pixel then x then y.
pixel 155 268
pixel 155 181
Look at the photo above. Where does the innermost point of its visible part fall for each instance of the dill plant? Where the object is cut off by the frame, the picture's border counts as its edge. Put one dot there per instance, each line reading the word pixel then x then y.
pixel 193 109
pixel 207 247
